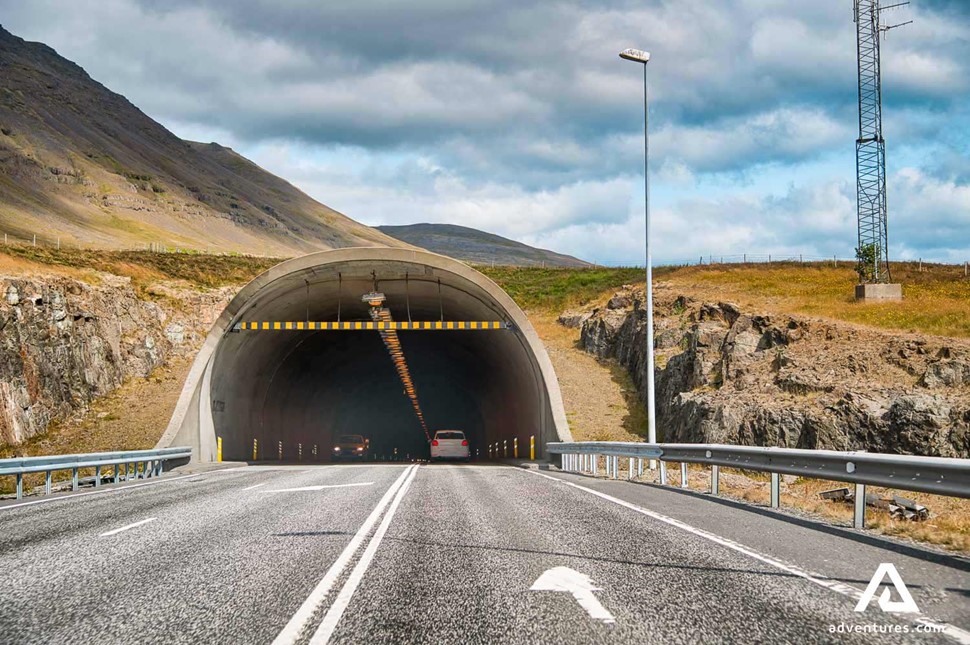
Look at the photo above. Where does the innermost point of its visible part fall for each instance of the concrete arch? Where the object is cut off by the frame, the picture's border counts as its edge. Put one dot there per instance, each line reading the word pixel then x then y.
pixel 302 388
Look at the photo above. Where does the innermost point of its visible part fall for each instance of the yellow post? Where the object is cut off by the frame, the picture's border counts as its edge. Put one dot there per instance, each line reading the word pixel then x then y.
pixel 532 447
pixel 515 447
pixel 255 449
pixel 218 448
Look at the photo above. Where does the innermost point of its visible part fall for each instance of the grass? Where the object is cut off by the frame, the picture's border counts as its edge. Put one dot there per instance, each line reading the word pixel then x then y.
pixel 145 267
pixel 936 300
pixel 558 289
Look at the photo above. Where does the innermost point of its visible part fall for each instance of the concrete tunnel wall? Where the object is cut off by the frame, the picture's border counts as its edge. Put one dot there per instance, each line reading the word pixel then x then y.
pixel 307 387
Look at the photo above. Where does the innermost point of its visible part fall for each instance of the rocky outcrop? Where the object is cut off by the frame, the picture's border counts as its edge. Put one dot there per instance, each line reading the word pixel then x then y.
pixel 728 376
pixel 65 342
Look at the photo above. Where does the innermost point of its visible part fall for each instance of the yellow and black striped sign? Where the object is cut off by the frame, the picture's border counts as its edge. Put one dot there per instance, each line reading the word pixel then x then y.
pixel 362 325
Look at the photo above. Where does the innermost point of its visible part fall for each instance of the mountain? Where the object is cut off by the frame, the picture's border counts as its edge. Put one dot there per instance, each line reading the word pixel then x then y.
pixel 477 247
pixel 80 163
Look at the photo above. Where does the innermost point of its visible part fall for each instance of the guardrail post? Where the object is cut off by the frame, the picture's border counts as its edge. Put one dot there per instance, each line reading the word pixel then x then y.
pixel 775 490
pixel 20 485
pixel 117 473
pixel 219 449
pixel 663 473
pixel 639 467
pixel 48 476
pixel 715 479
pixel 126 471
pixel 161 467
pixel 97 476
pixel 515 448
pixel 630 469
pixel 532 447
pixel 255 449
pixel 595 461
pixel 74 479
pixel 683 475
pixel 859 516
pixel 616 467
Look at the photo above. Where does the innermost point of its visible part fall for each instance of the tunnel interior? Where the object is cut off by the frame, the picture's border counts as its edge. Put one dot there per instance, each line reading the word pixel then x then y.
pixel 302 389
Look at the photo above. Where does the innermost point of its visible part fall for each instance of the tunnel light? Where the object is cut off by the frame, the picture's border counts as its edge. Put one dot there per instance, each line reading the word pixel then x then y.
pixel 374 298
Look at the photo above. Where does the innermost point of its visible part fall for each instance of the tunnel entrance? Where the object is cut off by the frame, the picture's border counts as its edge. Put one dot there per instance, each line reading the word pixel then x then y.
pixel 302 388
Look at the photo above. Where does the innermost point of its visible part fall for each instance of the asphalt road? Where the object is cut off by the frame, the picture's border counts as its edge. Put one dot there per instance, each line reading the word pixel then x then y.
pixel 446 554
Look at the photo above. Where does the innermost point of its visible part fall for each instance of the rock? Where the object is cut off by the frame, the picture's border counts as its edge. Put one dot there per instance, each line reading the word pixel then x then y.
pixel 619 302
pixel 13 296
pixel 574 319
pixel 946 373
pixel 741 378
pixel 175 333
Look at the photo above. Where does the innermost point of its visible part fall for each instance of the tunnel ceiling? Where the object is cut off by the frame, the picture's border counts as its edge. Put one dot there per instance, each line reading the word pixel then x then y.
pixel 305 388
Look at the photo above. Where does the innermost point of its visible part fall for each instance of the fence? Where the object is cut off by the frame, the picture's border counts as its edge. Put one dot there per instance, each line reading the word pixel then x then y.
pixel 936 475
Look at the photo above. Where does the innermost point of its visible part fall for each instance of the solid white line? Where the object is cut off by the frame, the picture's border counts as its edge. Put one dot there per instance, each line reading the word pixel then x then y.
pixel 960 635
pixel 336 611
pixel 94 492
pixel 256 486
pixel 130 526
pixel 294 628
pixel 310 488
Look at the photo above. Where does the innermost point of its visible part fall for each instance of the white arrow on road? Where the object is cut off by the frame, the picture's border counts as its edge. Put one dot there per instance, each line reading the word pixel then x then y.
pixel 579 585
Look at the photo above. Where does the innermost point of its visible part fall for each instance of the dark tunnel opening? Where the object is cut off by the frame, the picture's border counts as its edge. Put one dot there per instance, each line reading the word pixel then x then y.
pixel 302 389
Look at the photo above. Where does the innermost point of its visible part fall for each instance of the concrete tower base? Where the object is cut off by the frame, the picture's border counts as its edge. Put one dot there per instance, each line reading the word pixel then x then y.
pixel 879 292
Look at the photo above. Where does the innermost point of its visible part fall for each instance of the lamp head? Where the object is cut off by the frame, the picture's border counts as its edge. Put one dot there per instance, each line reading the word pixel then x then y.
pixel 636 55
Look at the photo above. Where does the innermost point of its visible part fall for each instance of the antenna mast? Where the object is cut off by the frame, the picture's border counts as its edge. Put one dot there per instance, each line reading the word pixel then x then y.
pixel 873 252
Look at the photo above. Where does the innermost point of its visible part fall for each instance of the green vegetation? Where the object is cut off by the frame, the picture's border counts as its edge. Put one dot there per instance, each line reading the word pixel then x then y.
pixel 559 288
pixel 144 267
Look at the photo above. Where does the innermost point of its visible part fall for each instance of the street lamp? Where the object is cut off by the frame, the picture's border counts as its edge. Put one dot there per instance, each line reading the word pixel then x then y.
pixel 642 57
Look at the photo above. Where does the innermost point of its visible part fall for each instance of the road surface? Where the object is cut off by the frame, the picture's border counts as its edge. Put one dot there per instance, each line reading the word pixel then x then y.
pixel 446 554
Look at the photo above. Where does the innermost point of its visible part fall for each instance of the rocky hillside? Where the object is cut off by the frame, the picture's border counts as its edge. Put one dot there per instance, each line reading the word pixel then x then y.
pixel 478 247
pixel 742 377
pixel 65 342
pixel 80 163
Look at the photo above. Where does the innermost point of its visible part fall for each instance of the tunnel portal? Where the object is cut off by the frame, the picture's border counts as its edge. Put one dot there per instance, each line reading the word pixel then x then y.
pixel 300 389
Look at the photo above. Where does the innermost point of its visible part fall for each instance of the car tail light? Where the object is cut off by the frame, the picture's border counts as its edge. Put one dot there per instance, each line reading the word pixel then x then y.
pixel 434 442
pixel 464 442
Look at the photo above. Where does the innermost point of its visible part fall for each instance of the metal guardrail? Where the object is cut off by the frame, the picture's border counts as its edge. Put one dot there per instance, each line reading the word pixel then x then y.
pixel 147 463
pixel 936 475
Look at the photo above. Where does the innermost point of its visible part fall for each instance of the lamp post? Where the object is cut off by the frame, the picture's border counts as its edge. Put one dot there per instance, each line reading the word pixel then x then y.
pixel 642 57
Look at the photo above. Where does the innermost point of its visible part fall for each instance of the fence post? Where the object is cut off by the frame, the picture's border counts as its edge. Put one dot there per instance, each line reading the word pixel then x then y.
pixel 859 516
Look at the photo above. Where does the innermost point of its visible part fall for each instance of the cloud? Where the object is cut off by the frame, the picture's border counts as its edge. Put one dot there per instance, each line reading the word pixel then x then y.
pixel 519 118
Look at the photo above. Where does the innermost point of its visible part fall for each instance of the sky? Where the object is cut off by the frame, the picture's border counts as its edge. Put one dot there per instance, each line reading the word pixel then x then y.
pixel 520 119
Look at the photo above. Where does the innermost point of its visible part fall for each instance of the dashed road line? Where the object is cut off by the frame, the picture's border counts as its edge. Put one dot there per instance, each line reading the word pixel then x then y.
pixel 255 486
pixel 125 528
pixel 300 489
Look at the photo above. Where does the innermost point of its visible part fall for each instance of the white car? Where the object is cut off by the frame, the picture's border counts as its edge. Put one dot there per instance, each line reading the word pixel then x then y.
pixel 450 444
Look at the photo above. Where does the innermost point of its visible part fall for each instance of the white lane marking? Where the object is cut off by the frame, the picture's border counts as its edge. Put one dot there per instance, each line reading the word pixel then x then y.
pixel 255 486
pixel 336 611
pixel 579 585
pixel 962 636
pixel 311 488
pixel 294 628
pixel 130 526
pixel 94 492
